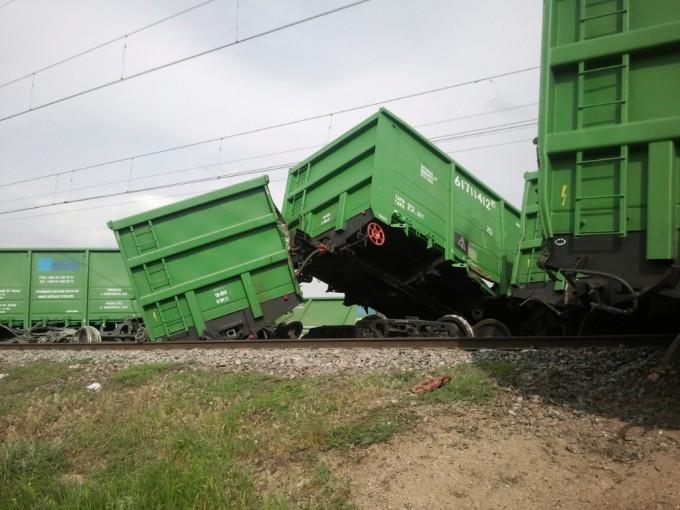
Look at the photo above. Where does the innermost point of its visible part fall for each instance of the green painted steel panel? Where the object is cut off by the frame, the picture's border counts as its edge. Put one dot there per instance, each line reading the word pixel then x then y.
pixel 526 268
pixel 203 259
pixel 15 270
pixel 110 291
pixel 385 166
pixel 63 287
pixel 609 129
pixel 324 311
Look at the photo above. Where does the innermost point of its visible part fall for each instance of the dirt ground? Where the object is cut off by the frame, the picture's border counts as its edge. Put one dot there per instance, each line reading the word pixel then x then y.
pixel 518 454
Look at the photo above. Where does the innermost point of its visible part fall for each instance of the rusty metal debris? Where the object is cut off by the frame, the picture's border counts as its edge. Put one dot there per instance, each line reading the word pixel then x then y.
pixel 431 384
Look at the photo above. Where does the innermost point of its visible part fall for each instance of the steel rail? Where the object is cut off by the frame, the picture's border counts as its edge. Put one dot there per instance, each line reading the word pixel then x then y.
pixel 502 343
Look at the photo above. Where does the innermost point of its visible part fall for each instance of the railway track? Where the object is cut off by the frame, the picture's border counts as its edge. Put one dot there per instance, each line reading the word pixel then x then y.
pixel 504 343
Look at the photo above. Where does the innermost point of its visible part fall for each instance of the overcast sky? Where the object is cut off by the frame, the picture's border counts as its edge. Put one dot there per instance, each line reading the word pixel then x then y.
pixel 376 51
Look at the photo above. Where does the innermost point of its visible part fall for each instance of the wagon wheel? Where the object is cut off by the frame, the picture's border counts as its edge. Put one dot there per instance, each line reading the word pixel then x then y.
pixel 289 330
pixel 375 233
pixel 463 326
pixel 88 335
pixel 491 327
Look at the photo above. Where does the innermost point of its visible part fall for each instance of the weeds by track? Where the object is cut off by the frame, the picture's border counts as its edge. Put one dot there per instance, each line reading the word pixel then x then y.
pixel 507 343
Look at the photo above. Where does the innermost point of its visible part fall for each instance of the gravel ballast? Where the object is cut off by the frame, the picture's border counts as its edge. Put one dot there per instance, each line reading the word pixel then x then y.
pixel 285 362
pixel 592 380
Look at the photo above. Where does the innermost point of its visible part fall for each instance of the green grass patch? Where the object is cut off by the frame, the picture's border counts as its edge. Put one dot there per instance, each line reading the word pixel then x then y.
pixel 30 377
pixel 35 475
pixel 136 375
pixel 505 373
pixel 159 436
pixel 28 469
pixel 21 382
pixel 474 382
pixel 255 392
pixel 23 459
pixel 376 426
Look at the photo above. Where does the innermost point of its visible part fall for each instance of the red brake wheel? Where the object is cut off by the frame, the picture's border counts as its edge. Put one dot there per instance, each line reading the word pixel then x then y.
pixel 375 233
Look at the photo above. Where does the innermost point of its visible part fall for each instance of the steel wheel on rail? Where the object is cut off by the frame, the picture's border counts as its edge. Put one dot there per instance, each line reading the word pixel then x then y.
pixel 290 330
pixel 463 326
pixel 490 328
pixel 88 335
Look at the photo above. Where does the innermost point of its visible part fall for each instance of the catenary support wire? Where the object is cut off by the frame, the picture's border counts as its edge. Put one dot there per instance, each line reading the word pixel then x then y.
pixel 275 126
pixel 181 60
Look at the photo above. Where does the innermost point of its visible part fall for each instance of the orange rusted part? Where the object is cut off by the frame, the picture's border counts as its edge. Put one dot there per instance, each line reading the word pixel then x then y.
pixel 375 233
pixel 431 384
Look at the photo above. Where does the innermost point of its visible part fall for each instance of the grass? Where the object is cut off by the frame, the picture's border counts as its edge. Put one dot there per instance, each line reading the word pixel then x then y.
pixel 136 375
pixel 473 382
pixel 171 436
pixel 503 372
pixel 376 426
pixel 21 382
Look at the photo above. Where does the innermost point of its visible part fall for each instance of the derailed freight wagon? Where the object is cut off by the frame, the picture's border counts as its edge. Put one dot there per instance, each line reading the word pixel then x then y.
pixel 529 277
pixel 214 266
pixel 609 142
pixel 53 295
pixel 323 311
pixel 385 217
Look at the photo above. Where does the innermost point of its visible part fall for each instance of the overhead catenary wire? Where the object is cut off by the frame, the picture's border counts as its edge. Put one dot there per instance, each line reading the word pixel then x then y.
pixel 104 44
pixel 152 188
pixel 453 152
pixel 183 59
pixel 115 204
pixel 473 115
pixel 102 206
pixel 5 4
pixel 510 126
pixel 273 126
pixel 462 134
pixel 171 172
pixel 449 137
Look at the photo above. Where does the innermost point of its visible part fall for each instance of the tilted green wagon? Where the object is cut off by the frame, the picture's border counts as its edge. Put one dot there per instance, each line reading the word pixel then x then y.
pixel 213 266
pixel 385 217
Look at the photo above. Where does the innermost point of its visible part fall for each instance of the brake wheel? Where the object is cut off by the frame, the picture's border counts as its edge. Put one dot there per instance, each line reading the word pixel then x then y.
pixel 375 233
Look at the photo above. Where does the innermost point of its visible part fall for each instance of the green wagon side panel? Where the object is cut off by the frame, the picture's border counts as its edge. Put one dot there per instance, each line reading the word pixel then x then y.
pixel 59 285
pixel 490 225
pixel 324 311
pixel 111 293
pixel 385 166
pixel 207 257
pixel 63 287
pixel 525 269
pixel 14 287
pixel 609 137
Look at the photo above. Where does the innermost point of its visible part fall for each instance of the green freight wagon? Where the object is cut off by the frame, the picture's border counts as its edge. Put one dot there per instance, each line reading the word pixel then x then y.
pixel 537 290
pixel 323 311
pixel 214 266
pixel 391 221
pixel 527 270
pixel 48 289
pixel 609 149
